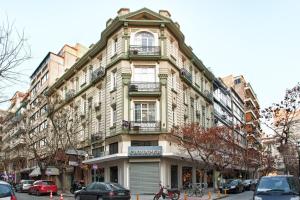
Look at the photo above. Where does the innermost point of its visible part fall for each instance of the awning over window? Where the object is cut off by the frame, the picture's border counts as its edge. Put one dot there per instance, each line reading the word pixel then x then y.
pixel 76 152
pixel 35 172
pixel 52 171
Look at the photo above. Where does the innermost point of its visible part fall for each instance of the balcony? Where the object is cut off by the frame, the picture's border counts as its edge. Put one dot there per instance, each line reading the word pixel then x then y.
pixel 144 52
pixel 208 95
pixel 144 126
pixel 186 76
pixel 98 74
pixel 17 142
pixel 69 94
pixel 95 137
pixel 144 89
pixel 100 154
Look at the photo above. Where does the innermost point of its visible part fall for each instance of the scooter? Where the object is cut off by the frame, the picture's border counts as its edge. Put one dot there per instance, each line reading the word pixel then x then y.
pixel 75 187
pixel 170 194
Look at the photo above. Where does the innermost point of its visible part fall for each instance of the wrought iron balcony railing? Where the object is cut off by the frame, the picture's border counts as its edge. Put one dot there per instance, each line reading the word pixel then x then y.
pixel 70 94
pixel 98 73
pixel 185 74
pixel 144 87
pixel 96 136
pixel 144 126
pixel 100 154
pixel 135 50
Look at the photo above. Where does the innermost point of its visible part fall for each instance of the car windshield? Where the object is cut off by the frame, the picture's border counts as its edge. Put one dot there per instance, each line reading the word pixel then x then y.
pixel 247 181
pixel 48 183
pixel 232 182
pixel 278 184
pixel 28 182
pixel 5 190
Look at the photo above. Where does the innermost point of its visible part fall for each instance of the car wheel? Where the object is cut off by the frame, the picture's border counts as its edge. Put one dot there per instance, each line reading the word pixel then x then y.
pixel 77 197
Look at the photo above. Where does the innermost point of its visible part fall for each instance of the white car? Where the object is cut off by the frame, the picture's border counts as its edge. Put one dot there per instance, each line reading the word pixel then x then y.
pixel 6 191
pixel 24 185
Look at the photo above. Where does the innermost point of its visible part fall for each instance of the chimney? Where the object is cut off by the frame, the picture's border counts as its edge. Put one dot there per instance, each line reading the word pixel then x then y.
pixel 123 11
pixel 164 13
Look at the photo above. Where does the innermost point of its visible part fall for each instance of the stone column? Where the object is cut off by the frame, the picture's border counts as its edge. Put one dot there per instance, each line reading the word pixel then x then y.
pixel 163 101
pixel 126 39
pixel 126 107
pixel 163 41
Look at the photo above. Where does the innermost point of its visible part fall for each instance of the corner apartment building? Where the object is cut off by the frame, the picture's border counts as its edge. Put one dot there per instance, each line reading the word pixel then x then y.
pixel 130 89
pixel 247 94
pixel 46 74
pixel 14 157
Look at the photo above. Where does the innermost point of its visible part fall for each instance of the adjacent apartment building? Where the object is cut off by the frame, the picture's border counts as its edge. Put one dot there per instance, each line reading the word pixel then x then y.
pixel 229 112
pixel 130 89
pixel 247 94
pixel 13 155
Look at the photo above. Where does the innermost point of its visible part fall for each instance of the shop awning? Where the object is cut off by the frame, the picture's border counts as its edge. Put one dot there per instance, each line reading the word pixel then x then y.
pixel 35 172
pixel 76 152
pixel 52 171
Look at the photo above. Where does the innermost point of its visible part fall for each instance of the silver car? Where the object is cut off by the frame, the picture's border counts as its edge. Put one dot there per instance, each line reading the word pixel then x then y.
pixel 6 191
pixel 24 185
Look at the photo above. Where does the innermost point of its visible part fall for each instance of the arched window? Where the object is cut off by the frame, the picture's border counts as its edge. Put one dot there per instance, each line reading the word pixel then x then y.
pixel 144 39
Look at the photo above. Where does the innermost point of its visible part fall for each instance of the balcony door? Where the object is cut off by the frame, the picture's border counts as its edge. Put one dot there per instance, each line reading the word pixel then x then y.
pixel 144 111
pixel 144 39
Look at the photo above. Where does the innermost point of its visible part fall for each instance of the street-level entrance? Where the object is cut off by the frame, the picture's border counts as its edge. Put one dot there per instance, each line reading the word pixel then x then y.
pixel 144 177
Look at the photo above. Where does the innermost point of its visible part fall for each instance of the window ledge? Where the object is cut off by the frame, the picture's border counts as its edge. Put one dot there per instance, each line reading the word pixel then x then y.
pixel 114 56
pixel 173 90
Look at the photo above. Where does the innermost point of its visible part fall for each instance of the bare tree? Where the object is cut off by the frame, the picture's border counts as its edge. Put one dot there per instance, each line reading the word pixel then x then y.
pixel 13 52
pixel 283 119
pixel 60 133
pixel 212 148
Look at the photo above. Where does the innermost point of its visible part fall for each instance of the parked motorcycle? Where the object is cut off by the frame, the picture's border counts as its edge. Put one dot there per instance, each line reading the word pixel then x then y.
pixel 76 186
pixel 170 194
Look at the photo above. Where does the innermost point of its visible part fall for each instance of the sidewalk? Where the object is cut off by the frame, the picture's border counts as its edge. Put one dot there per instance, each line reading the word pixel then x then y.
pixel 214 196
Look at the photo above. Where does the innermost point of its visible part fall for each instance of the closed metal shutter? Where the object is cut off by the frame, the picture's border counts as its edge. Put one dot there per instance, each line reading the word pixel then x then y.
pixel 144 178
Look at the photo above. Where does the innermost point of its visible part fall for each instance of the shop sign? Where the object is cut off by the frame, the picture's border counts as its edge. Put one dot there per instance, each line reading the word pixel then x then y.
pixel 95 167
pixel 73 163
pixel 144 151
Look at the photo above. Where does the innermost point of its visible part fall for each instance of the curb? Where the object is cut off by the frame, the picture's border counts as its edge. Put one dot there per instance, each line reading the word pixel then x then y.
pixel 224 196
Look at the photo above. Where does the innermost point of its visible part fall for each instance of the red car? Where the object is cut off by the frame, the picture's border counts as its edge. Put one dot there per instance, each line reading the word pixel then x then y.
pixel 42 187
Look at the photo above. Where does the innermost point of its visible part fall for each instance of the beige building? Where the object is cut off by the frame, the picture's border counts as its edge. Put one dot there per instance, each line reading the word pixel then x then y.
pixel 252 126
pixel 13 155
pixel 46 74
pixel 130 89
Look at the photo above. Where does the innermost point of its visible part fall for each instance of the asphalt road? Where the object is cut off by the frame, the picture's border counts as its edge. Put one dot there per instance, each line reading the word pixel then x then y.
pixel 248 195
pixel 25 196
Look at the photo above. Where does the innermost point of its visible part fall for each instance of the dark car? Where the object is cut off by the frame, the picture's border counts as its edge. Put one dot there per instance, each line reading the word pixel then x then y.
pixel 6 191
pixel 102 191
pixel 232 186
pixel 277 188
pixel 249 184
pixel 24 185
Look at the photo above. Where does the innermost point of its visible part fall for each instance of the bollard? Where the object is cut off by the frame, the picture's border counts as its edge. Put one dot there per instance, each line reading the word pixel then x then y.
pixel 61 197
pixel 219 194
pixel 185 196
pixel 51 195
pixel 137 196
pixel 209 196
pixel 225 192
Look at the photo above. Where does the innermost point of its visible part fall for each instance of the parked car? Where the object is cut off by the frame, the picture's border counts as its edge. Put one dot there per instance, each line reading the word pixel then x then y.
pixel 232 186
pixel 102 190
pixel 42 187
pixel 277 188
pixel 249 184
pixel 24 185
pixel 6 191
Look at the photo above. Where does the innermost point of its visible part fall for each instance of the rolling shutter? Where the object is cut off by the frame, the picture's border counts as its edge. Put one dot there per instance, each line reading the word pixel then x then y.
pixel 144 178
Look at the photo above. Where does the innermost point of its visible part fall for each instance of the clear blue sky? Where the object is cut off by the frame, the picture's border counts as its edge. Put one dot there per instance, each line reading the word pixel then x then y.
pixel 259 39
